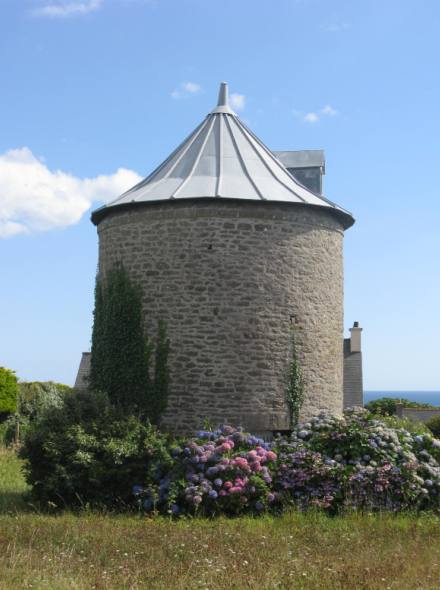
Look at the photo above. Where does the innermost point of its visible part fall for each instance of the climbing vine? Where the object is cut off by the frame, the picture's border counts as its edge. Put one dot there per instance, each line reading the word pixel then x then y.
pixel 121 350
pixel 295 385
pixel 161 373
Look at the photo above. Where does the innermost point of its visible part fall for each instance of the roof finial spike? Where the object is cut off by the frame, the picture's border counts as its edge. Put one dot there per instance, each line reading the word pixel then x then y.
pixel 223 95
pixel 223 102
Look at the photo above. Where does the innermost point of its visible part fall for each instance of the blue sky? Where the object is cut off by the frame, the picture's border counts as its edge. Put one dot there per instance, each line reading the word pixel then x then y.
pixel 95 93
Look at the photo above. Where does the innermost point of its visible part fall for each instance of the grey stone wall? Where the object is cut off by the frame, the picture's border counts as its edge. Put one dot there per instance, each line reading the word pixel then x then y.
pixel 417 414
pixel 353 383
pixel 82 377
pixel 229 278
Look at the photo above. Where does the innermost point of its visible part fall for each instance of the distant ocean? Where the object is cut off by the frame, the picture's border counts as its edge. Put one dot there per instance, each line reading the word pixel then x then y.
pixel 427 397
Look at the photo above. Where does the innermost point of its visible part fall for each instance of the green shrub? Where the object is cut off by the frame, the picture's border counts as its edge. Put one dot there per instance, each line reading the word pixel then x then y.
pixel 387 406
pixel 88 452
pixel 8 392
pixel 434 425
pixel 413 426
pixel 13 426
pixel 35 397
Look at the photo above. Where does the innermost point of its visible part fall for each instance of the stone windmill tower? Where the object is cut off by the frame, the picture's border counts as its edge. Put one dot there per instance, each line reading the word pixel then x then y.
pixel 233 253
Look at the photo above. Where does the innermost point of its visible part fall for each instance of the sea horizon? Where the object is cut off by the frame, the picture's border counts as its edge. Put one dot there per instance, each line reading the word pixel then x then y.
pixel 428 396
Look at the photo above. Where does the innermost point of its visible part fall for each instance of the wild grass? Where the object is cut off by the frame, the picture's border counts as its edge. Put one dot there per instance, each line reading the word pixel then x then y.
pixel 295 551
pixel 12 483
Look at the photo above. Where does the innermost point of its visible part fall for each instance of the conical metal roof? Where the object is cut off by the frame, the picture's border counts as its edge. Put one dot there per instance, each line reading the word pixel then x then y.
pixel 223 159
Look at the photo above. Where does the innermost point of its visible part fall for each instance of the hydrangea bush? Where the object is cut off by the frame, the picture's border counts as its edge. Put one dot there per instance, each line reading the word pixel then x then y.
pixel 335 463
pixel 356 461
pixel 224 471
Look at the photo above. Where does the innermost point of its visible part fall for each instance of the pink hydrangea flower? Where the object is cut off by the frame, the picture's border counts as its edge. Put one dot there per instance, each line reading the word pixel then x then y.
pixel 226 446
pixel 240 462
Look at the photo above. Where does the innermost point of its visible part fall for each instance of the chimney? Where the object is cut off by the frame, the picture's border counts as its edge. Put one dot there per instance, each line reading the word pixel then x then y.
pixel 355 338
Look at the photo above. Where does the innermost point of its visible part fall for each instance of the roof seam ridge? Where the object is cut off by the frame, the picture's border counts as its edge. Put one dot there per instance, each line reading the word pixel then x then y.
pixel 161 166
pixel 180 157
pixel 220 154
pixel 242 162
pixel 196 161
pixel 240 126
pixel 190 141
pixel 269 153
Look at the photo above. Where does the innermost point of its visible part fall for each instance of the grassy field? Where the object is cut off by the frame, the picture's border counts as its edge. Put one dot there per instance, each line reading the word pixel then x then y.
pixel 295 551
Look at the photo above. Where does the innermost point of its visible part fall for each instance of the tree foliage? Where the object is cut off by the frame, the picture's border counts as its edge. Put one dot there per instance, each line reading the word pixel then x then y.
pixel 387 406
pixel 434 425
pixel 8 391
pixel 121 350
pixel 34 399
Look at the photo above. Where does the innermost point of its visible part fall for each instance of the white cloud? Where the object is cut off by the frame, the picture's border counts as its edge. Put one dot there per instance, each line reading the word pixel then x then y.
pixel 67 8
pixel 311 118
pixel 329 110
pixel 34 198
pixel 314 117
pixel 186 89
pixel 238 101
pixel 191 87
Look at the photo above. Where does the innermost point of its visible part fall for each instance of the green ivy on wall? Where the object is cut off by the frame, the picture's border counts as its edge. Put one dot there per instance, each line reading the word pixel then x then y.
pixel 121 350
pixel 295 385
pixel 161 373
